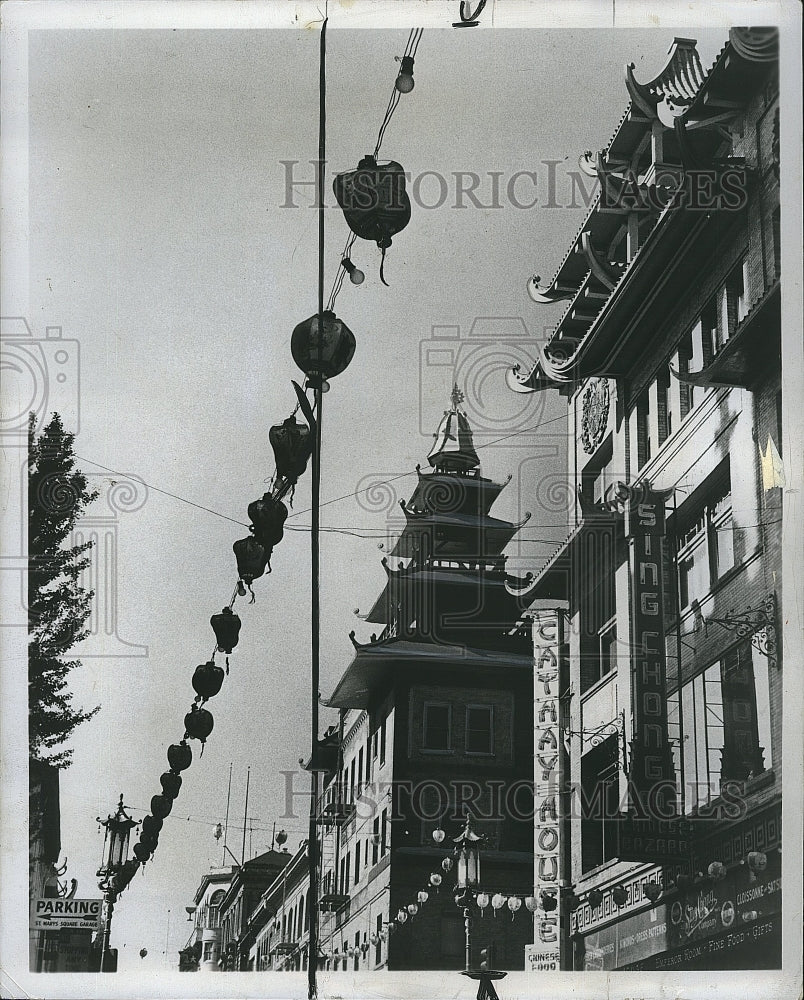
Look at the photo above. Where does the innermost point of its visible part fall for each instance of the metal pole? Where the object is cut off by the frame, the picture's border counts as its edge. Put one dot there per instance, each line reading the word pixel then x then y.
pixel 467 924
pixel 245 819
pixel 109 899
pixel 167 935
pixel 312 947
pixel 226 824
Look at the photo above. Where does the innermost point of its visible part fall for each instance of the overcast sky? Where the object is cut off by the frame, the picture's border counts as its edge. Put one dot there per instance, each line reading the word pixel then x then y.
pixel 158 240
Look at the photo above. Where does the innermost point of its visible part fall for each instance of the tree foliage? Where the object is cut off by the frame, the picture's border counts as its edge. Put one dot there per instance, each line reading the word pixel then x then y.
pixel 58 606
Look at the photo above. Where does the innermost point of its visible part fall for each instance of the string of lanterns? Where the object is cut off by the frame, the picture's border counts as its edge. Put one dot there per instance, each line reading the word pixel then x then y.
pixel 376 207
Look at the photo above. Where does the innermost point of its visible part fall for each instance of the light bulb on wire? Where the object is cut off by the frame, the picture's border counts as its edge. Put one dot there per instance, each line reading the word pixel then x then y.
pixel 356 276
pixel 404 81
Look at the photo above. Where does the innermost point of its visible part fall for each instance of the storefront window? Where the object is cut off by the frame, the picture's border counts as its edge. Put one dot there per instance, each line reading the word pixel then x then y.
pixel 706 546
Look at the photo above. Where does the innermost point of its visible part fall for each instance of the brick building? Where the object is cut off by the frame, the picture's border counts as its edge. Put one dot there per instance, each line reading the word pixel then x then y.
pixel 668 353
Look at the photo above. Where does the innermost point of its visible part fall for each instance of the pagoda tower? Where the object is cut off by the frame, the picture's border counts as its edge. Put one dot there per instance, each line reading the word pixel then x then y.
pixel 454 588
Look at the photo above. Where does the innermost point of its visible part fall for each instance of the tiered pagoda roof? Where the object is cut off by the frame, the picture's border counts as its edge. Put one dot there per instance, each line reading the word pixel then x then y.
pixel 450 595
pixel 675 123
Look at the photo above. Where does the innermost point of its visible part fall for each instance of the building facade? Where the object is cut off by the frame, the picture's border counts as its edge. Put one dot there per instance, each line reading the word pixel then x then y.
pixel 668 354
pixel 436 722
pixel 203 948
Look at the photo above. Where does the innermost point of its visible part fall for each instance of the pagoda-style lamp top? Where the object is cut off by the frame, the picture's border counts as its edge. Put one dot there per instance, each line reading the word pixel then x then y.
pixel 467 850
pixel 454 449
pixel 115 844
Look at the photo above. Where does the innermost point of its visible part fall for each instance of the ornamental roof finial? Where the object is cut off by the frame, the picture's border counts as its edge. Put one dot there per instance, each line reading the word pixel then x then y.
pixel 454 450
pixel 457 397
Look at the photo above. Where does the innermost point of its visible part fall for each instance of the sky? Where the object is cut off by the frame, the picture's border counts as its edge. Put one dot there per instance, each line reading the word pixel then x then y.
pixel 159 241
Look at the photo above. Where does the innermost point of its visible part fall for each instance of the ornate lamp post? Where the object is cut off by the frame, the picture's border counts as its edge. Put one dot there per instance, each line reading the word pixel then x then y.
pixel 115 872
pixel 467 892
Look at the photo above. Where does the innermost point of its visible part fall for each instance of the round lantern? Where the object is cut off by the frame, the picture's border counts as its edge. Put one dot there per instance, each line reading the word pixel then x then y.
pixel 446 864
pixel 531 903
pixel 514 903
pixel 716 871
pixel 143 952
pixel 142 852
pixel 423 896
pixel 402 916
pixel 171 783
pixel 226 627
pixel 293 445
pixel 251 559
pixel 572 902
pixel 180 756
pixel 620 895
pixel 438 836
pixel 198 722
pixel 322 355
pixel 151 825
pixel 375 939
pixel 757 861
pixel 497 902
pixel 413 909
pixel 207 679
pixel 652 890
pixel 268 517
pixel 549 901
pixel 435 880
pixel 595 898
pixel 482 901
pixel 161 806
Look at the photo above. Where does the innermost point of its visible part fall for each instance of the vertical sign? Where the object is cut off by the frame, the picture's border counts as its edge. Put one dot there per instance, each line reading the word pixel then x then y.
pixel 651 777
pixel 545 954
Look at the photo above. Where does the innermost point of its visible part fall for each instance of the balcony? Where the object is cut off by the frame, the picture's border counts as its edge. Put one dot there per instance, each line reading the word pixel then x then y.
pixel 336 813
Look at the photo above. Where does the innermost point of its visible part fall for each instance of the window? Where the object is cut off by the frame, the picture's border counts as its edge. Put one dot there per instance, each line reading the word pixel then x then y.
pixel 437 720
pixel 375 840
pixel 208 949
pixel 706 546
pixel 598 638
pixel 600 770
pixel 360 771
pixel 378 945
pixel 720 726
pixel 357 862
pixel 643 429
pixel 383 832
pixel 357 951
pixel 382 743
pixel 479 729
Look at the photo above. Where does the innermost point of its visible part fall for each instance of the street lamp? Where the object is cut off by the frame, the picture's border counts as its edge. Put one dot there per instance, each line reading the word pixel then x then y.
pixel 115 872
pixel 467 891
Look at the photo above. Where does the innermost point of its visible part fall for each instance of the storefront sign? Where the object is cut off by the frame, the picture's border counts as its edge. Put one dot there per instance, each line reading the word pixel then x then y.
pixel 710 920
pixel 80 914
pixel 545 954
pixel 658 840
pixel 651 774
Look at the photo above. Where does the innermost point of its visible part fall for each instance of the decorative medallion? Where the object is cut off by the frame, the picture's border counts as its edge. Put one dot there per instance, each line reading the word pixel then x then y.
pixel 595 416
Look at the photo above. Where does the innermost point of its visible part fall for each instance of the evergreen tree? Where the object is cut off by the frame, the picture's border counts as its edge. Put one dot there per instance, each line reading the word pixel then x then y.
pixel 58 606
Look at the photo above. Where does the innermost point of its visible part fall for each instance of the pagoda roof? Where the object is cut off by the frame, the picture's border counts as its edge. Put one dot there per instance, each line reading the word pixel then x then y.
pixel 458 530
pixel 404 578
pixel 379 663
pixel 445 490
pixel 683 98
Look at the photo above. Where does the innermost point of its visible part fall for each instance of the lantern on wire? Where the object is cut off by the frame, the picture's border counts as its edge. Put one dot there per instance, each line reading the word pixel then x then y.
pixel 423 896
pixel 251 561
pixel 375 938
pixel 198 724
pixel 620 895
pixel 594 898
pixel 446 864
pixel 143 850
pixel 207 680
pixel 292 444
pixel 482 901
pixel 151 825
pixel 171 784
pixel 374 201
pixel 401 916
pixel 716 871
pixel 143 952
pixel 323 354
pixel 438 835
pixel 497 902
pixel 161 806
pixel 226 627
pixel 180 756
pixel 757 863
pixel 548 901
pixel 268 516
pixel 356 276
pixel 404 81
pixel 652 890
pixel 435 881
pixel 514 903
pixel 531 904
pixel 413 909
